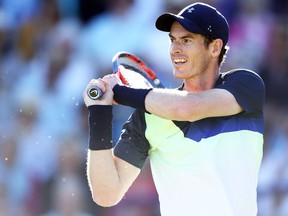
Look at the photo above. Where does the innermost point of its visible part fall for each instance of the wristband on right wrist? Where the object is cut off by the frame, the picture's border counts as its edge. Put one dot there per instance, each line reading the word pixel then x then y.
pixel 132 97
pixel 100 127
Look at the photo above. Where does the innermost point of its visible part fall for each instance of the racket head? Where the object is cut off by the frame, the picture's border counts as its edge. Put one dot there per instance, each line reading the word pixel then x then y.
pixel 137 74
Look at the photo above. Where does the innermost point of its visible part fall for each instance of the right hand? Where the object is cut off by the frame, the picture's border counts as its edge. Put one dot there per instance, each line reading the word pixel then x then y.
pixel 106 99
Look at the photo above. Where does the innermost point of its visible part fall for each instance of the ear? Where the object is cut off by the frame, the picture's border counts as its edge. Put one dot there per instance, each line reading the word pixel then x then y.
pixel 216 47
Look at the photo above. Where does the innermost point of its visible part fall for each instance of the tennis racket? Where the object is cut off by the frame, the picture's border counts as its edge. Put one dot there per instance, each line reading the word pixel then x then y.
pixel 135 74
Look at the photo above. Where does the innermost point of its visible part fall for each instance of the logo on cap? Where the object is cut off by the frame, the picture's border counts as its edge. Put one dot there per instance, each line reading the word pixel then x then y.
pixel 190 10
pixel 209 28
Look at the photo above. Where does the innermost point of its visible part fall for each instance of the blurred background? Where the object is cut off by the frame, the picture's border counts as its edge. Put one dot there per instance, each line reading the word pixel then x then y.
pixel 50 50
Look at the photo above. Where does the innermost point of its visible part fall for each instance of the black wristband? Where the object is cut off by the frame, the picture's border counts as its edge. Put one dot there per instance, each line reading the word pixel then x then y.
pixel 132 97
pixel 100 127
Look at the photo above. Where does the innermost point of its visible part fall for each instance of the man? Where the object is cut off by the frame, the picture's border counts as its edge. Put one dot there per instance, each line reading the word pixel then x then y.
pixel 204 140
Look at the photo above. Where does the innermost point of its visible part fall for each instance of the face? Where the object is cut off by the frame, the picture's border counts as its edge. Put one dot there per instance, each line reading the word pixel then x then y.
pixel 189 56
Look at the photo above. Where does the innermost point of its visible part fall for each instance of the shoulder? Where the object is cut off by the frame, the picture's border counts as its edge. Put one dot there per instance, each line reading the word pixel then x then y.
pixel 132 145
pixel 240 73
pixel 246 86
pixel 134 127
pixel 240 79
pixel 137 120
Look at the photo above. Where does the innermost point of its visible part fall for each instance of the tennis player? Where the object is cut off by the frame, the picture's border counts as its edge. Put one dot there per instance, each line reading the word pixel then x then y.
pixel 204 140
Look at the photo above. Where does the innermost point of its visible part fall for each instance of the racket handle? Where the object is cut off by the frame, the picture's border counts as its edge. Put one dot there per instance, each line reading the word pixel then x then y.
pixel 94 92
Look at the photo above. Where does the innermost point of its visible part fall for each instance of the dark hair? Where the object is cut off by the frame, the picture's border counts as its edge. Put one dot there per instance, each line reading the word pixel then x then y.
pixel 207 40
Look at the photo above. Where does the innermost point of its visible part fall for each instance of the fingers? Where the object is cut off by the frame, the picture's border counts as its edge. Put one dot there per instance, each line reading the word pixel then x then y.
pixel 98 82
pixel 106 84
pixel 106 99
pixel 112 80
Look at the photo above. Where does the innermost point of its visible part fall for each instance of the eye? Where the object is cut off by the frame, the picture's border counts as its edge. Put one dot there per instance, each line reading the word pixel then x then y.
pixel 172 39
pixel 187 40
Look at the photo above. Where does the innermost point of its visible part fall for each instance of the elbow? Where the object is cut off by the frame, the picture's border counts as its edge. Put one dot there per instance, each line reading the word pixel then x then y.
pixel 183 113
pixel 188 110
pixel 106 199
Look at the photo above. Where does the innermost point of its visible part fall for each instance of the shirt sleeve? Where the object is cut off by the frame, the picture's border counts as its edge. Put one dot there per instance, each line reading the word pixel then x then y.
pixel 247 87
pixel 132 145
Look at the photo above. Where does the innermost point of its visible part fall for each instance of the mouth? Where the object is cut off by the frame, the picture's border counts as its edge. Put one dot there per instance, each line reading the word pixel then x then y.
pixel 179 61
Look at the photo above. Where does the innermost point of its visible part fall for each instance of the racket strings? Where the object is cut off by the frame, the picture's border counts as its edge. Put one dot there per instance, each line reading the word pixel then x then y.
pixel 134 79
pixel 133 74
pixel 130 64
pixel 145 77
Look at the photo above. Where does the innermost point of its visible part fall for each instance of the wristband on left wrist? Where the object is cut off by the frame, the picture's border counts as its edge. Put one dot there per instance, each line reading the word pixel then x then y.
pixel 100 127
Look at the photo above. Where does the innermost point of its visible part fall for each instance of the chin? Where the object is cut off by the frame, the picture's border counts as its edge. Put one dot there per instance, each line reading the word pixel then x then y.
pixel 178 74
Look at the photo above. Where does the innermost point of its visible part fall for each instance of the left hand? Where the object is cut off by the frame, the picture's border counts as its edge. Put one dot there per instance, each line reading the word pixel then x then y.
pixel 106 99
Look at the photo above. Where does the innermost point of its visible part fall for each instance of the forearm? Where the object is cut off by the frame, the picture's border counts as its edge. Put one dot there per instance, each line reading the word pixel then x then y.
pixel 102 173
pixel 103 178
pixel 165 103
pixel 181 105
pixel 169 104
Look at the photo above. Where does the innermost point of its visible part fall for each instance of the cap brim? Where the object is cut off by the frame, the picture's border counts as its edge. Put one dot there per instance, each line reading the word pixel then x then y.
pixel 165 21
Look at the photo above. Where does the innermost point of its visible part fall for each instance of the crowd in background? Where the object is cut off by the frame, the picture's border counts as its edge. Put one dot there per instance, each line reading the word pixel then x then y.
pixel 51 49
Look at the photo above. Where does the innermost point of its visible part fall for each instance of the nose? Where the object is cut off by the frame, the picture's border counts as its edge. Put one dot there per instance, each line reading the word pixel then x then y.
pixel 175 47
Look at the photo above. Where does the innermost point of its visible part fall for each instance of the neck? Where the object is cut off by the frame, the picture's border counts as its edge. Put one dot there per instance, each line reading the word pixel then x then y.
pixel 198 84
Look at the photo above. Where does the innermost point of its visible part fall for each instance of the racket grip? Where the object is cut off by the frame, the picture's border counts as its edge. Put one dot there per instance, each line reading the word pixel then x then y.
pixel 94 92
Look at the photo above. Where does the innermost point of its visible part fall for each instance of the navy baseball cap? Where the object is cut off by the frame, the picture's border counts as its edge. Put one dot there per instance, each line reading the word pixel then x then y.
pixel 198 18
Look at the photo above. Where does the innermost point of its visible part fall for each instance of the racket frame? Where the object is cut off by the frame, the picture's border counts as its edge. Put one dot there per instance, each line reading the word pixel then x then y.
pixel 95 93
